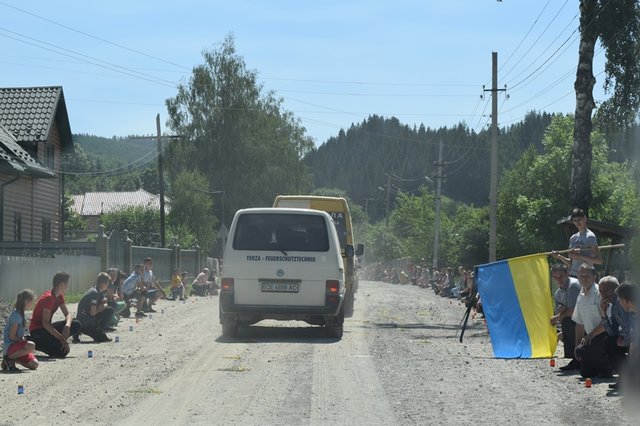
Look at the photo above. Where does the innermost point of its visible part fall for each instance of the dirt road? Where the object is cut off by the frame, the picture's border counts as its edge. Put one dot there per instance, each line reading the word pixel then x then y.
pixel 399 362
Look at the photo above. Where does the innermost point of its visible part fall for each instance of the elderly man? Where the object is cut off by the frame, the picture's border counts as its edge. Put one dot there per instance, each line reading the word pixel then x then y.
pixel 590 332
pixel 565 298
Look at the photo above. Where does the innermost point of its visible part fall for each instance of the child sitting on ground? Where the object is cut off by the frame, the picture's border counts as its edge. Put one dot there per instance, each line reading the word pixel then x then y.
pixel 17 349
pixel 177 288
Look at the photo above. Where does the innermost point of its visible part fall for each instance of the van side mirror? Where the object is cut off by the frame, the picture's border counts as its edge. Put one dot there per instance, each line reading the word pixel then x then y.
pixel 348 250
pixel 360 250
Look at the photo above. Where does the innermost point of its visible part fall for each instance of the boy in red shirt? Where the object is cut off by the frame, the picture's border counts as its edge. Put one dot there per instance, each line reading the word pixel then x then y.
pixel 51 338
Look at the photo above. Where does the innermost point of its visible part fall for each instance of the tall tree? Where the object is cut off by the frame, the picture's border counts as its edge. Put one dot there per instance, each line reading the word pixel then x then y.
pixel 616 23
pixel 241 139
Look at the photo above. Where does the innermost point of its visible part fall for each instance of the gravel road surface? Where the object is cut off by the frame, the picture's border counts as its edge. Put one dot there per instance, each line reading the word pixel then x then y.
pixel 399 363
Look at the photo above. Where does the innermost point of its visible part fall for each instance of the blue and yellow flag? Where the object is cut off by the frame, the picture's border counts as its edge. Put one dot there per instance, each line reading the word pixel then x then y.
pixel 517 304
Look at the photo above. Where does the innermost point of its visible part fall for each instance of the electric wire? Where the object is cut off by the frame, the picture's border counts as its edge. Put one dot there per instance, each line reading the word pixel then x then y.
pixel 525 36
pixel 51 21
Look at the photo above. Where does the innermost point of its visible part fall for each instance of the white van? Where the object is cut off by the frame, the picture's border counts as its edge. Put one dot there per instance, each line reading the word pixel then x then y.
pixel 283 264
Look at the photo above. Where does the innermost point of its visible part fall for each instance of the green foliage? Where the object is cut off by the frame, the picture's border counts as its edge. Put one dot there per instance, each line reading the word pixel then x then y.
pixel 143 224
pixel 533 194
pixel 242 140
pixel 383 244
pixel 72 220
pixel 191 216
pixel 110 164
pixel 357 160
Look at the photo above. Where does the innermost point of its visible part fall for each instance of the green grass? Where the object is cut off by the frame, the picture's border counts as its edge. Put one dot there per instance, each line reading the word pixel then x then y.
pixel 73 297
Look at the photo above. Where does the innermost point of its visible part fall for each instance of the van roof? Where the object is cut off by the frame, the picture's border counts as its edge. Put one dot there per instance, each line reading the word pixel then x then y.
pixel 282 210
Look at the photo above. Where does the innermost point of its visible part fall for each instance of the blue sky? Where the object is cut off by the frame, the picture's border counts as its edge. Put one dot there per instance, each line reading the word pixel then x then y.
pixel 333 62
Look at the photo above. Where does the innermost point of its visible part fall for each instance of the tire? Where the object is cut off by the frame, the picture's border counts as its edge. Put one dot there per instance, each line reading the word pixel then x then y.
pixel 229 327
pixel 349 302
pixel 334 330
pixel 334 327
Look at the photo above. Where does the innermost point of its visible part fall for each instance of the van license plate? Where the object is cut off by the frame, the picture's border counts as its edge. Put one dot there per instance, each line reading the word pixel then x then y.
pixel 280 287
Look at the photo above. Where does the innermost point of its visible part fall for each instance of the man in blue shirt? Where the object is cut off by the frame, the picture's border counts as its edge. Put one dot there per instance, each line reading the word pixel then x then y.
pixel 617 323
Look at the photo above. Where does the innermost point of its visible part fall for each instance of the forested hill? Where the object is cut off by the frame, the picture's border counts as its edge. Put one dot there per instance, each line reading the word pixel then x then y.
pixel 115 151
pixel 359 160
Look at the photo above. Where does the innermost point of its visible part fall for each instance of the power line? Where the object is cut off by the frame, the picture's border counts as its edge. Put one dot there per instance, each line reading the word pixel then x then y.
pixel 537 39
pixel 92 36
pixel 81 56
pixel 525 36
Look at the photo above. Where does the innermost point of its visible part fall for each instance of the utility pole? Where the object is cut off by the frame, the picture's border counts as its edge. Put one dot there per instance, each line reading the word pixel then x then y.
pixel 493 184
pixel 160 183
pixel 158 138
pixel 436 224
pixel 386 206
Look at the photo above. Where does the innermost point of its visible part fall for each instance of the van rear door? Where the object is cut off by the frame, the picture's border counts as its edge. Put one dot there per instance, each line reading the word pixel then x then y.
pixel 285 259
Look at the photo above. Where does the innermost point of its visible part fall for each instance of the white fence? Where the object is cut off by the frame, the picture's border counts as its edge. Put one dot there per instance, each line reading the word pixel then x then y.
pixel 37 273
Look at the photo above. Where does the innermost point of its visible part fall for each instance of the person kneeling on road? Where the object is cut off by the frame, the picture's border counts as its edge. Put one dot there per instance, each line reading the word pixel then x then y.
pixel 51 338
pixel 94 313
pixel 133 288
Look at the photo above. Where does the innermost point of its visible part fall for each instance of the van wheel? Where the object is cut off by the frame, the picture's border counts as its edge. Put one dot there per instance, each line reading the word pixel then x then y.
pixel 229 326
pixel 334 330
pixel 349 303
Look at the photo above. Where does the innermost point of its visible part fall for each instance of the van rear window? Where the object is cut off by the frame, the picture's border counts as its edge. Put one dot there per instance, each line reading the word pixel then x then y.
pixel 281 232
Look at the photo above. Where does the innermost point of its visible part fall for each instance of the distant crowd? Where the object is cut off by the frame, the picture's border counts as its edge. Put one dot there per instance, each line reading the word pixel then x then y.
pixel 113 296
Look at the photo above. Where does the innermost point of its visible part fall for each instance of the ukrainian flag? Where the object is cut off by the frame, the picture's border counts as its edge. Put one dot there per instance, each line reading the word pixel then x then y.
pixel 517 304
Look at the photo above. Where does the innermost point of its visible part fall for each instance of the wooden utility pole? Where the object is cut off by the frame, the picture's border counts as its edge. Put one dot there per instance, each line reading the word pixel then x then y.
pixel 386 206
pixel 160 183
pixel 158 138
pixel 493 184
pixel 436 223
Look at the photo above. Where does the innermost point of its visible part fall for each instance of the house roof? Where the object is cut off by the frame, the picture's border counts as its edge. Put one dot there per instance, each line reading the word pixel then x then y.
pixel 96 203
pixel 30 112
pixel 14 159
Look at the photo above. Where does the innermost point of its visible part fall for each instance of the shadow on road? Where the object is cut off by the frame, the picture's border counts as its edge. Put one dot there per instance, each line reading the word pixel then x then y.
pixel 425 326
pixel 267 334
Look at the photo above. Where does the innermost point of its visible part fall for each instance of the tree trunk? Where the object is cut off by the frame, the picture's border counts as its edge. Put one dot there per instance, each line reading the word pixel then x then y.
pixel 582 154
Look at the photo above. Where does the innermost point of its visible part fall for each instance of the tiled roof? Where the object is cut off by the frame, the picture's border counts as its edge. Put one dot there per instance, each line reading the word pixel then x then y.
pixel 14 159
pixel 96 203
pixel 29 113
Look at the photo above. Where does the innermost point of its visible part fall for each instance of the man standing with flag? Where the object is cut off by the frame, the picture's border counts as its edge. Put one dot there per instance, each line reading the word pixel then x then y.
pixel 590 332
pixel 583 245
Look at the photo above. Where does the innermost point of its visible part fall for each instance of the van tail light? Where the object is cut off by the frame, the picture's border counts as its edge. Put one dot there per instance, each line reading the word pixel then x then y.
pixel 333 287
pixel 226 284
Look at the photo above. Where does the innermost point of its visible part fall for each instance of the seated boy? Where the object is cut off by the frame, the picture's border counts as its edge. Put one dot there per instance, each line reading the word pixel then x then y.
pixel 94 313
pixel 133 288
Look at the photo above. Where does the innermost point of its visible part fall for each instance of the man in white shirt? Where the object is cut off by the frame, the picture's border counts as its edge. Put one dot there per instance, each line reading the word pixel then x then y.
pixel 590 332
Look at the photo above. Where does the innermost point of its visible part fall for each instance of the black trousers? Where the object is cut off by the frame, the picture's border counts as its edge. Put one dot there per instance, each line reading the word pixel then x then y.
pixel 568 327
pixel 94 326
pixel 48 343
pixel 617 354
pixel 593 358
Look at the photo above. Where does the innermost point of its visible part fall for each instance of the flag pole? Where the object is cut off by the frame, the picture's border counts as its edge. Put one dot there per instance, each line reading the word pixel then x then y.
pixel 612 246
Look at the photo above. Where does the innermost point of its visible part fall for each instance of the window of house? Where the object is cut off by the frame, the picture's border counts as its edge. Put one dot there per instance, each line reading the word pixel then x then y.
pixel 46 229
pixel 17 226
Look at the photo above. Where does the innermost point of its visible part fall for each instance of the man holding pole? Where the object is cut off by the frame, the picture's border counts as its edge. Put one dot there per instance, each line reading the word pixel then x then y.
pixel 583 245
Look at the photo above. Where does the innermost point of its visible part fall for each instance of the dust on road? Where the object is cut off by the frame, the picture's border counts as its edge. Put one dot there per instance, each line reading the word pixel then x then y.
pixel 399 362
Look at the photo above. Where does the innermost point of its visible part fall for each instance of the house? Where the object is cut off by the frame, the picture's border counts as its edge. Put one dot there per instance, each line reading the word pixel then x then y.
pixel 92 204
pixel 34 132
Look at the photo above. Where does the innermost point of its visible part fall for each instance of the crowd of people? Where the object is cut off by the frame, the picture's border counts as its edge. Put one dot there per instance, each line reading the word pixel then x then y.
pixel 595 318
pixel 99 311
